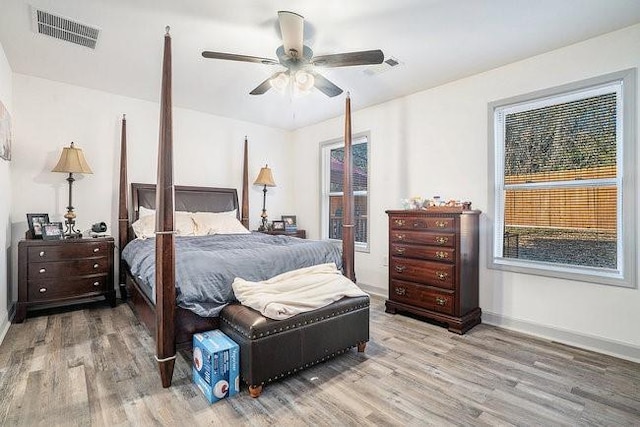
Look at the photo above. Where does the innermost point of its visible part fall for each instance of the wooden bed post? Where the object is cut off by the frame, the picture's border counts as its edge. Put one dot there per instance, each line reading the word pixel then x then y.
pixel 123 212
pixel 245 186
pixel 347 199
pixel 165 249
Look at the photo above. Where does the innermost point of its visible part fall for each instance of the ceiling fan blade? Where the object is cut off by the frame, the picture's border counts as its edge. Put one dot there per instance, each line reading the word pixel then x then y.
pixel 242 58
pixel 365 57
pixel 291 27
pixel 262 87
pixel 325 86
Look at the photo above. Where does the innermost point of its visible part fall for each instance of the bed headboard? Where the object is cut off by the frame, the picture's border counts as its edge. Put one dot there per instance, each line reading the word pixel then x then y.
pixel 187 198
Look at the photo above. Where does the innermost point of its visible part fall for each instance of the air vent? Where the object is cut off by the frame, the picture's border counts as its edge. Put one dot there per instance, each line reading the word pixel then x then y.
pixel 386 65
pixel 65 29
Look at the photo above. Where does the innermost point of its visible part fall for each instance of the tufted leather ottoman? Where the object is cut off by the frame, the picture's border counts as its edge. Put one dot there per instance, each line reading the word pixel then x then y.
pixel 271 349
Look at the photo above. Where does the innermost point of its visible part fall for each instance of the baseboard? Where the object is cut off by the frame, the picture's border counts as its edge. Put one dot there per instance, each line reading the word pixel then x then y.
pixel 564 336
pixel 373 290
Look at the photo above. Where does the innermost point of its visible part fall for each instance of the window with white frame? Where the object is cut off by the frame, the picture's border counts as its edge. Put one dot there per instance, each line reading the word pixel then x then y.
pixel 332 170
pixel 563 181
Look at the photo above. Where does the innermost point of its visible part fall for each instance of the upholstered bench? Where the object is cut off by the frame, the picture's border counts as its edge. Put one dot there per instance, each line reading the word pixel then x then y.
pixel 271 349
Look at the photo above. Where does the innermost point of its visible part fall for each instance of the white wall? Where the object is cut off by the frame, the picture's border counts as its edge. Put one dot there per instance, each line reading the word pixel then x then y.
pixel 435 143
pixel 5 198
pixel 208 150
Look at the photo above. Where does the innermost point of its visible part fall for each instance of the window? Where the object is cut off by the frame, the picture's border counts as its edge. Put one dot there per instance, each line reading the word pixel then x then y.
pixel 332 167
pixel 563 181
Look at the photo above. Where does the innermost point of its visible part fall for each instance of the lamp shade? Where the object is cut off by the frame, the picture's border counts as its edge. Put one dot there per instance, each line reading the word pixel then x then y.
pixel 265 177
pixel 72 161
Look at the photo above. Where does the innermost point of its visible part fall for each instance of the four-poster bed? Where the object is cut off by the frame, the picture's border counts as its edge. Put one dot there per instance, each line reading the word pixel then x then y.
pixel 175 325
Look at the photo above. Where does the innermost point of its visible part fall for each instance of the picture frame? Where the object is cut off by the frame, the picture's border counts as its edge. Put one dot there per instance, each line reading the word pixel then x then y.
pixel 5 133
pixel 35 221
pixel 52 231
pixel 277 226
pixel 290 222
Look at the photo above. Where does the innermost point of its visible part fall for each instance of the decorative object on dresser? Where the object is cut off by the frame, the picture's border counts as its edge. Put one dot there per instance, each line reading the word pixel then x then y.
pixel 52 231
pixel 265 178
pixel 71 161
pixel 64 271
pixel 433 265
pixel 290 223
pixel 277 226
pixel 35 221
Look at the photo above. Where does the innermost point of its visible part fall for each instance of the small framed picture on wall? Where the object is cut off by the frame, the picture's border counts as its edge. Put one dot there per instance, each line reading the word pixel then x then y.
pixel 35 221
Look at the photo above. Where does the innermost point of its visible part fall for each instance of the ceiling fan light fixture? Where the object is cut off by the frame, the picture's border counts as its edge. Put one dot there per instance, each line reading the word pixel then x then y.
pixel 280 82
pixel 304 81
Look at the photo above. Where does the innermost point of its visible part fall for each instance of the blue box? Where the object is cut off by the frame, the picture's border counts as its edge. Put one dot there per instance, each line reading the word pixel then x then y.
pixel 216 365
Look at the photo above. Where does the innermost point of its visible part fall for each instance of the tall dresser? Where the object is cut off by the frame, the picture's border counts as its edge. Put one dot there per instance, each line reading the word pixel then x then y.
pixel 433 265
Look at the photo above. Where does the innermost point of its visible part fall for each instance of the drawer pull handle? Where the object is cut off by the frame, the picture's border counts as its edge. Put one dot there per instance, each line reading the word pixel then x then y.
pixel 400 250
pixel 401 291
pixel 441 240
pixel 442 255
pixel 43 290
pixel 96 265
pixel 416 225
pixel 42 270
pixel 441 275
pixel 96 283
pixel 441 224
pixel 400 236
pixel 41 253
pixel 399 222
pixel 96 250
pixel 441 300
pixel 400 268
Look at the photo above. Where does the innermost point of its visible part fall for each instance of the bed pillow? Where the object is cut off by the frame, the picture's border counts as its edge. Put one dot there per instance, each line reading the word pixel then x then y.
pixel 218 223
pixel 145 227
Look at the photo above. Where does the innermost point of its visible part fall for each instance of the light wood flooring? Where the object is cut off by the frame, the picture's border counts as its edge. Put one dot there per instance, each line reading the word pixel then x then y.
pixel 95 366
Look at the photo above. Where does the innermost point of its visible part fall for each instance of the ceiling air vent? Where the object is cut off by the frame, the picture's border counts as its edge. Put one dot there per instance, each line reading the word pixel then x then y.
pixel 386 65
pixel 65 29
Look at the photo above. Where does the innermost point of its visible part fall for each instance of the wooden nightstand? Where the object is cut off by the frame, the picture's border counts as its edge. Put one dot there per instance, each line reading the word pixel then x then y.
pixel 302 234
pixel 64 271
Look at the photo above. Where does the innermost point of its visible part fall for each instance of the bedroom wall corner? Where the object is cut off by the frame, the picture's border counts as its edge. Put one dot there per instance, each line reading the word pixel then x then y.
pixel 6 95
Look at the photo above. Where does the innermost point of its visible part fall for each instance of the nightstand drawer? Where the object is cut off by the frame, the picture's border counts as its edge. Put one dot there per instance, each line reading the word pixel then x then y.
pixel 73 268
pixel 49 290
pixel 68 251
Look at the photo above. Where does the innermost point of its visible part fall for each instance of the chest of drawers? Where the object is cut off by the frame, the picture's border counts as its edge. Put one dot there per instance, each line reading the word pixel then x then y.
pixel 433 265
pixel 63 271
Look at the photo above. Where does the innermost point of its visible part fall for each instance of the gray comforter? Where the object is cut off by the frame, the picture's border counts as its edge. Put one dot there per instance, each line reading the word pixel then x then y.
pixel 206 266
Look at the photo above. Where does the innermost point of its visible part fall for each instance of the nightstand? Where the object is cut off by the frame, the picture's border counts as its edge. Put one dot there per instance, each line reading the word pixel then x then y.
pixel 64 271
pixel 302 234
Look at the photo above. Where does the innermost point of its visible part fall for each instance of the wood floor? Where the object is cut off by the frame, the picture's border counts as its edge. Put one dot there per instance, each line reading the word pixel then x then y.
pixel 95 366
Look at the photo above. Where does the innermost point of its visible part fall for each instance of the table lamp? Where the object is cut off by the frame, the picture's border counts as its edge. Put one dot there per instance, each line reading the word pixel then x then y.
pixel 264 178
pixel 71 161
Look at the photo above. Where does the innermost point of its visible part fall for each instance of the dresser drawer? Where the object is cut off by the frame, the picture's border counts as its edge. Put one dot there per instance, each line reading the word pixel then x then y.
pixel 423 252
pixel 430 273
pixel 72 268
pixel 420 223
pixel 49 290
pixel 68 251
pixel 422 296
pixel 423 238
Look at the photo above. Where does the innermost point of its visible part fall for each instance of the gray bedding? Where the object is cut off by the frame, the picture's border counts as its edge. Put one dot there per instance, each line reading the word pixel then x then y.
pixel 206 266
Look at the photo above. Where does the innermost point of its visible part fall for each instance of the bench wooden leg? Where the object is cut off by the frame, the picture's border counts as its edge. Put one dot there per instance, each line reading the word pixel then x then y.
pixel 255 390
pixel 361 347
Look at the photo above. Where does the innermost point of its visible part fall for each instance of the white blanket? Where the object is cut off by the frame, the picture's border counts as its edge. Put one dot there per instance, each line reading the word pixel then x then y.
pixel 296 291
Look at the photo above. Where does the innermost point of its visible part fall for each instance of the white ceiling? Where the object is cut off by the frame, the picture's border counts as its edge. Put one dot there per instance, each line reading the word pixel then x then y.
pixel 435 40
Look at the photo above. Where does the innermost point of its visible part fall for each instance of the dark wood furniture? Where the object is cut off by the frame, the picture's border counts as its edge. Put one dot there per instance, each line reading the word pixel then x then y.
pixel 433 265
pixel 64 271
pixel 301 234
pixel 164 316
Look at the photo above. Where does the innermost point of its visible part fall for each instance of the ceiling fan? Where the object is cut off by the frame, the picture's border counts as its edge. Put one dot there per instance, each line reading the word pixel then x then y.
pixel 299 61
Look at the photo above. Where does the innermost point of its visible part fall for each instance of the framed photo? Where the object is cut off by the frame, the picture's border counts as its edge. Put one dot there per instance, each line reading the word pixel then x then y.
pixel 277 225
pixel 52 231
pixel 35 222
pixel 290 223
pixel 5 133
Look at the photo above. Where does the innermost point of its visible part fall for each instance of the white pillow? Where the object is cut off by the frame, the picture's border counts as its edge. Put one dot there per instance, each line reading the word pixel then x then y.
pixel 218 223
pixel 142 211
pixel 145 227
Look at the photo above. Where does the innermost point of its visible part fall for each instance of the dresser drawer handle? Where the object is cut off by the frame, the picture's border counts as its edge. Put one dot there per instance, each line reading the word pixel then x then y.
pixel 442 255
pixel 399 222
pixel 400 251
pixel 441 275
pixel 41 253
pixel 43 290
pixel 400 268
pixel 401 291
pixel 441 300
pixel 400 236
pixel 96 265
pixel 441 224
pixel 96 283
pixel 416 225
pixel 42 270
pixel 96 250
pixel 441 240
